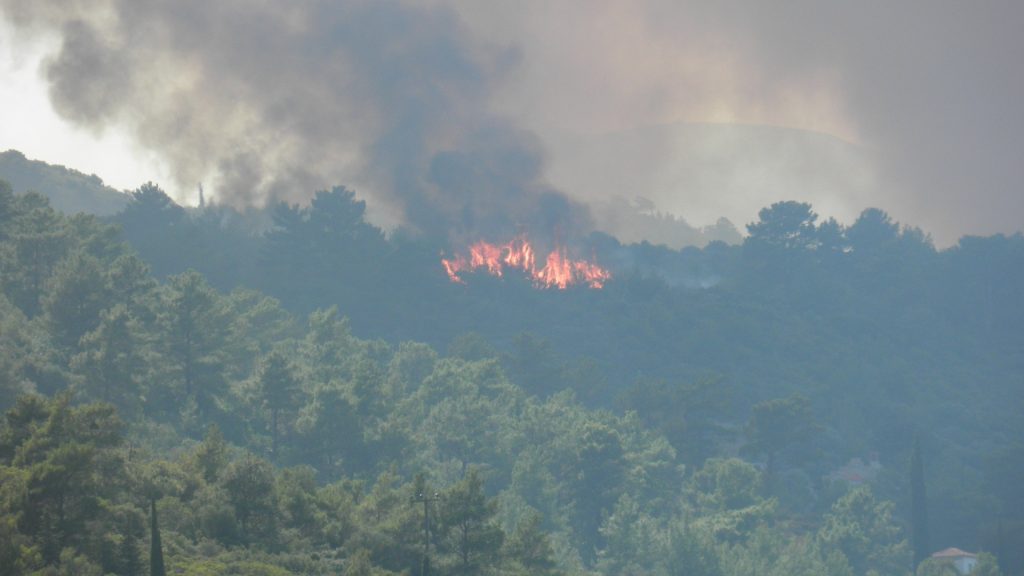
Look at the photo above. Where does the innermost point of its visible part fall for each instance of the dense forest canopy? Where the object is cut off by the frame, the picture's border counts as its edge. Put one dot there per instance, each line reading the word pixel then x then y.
pixel 292 390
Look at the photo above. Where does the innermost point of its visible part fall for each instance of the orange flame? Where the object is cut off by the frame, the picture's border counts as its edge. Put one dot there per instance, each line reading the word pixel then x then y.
pixel 559 271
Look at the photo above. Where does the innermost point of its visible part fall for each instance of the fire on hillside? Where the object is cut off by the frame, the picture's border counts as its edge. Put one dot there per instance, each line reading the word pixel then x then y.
pixel 558 269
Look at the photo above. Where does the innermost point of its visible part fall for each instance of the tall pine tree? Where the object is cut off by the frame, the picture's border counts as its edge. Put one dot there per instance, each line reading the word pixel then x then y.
pixel 918 505
pixel 156 552
pixel 278 387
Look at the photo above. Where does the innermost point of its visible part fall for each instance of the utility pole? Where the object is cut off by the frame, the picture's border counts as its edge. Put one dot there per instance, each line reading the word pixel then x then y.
pixel 426 499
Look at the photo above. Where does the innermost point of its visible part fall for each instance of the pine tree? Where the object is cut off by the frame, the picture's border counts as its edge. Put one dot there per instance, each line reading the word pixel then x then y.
pixel 156 553
pixel 128 555
pixel 194 333
pixel 6 206
pixel 468 525
pixel 918 505
pixel 279 389
pixel 529 547
pixel 783 426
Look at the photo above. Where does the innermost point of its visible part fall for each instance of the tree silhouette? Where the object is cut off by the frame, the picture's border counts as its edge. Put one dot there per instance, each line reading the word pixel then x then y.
pixel 156 552
pixel 918 505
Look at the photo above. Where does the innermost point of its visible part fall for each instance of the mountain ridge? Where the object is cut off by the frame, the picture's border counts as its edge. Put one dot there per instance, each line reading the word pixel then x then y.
pixel 69 190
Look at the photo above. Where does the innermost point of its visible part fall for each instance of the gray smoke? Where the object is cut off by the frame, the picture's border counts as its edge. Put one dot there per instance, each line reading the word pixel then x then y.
pixel 930 90
pixel 398 98
pixel 277 99
pixel 934 88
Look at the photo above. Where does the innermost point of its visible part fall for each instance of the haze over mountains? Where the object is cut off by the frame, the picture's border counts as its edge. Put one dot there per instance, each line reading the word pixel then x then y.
pixel 631 219
pixel 407 101
pixel 646 184
pixel 684 169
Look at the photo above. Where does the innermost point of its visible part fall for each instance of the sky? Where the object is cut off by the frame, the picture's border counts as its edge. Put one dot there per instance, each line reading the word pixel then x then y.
pixel 32 126
pixel 468 117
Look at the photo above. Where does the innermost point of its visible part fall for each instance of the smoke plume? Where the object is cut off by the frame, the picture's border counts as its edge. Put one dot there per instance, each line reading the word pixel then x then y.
pixel 273 100
pixel 435 109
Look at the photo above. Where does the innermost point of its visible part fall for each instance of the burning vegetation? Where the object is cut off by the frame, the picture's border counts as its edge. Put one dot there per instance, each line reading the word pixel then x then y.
pixel 558 270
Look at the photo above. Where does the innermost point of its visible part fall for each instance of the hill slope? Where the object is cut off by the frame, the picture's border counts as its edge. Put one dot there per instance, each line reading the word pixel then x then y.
pixel 69 191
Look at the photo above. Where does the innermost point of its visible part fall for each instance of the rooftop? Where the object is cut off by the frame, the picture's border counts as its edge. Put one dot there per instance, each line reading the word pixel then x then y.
pixel 953 553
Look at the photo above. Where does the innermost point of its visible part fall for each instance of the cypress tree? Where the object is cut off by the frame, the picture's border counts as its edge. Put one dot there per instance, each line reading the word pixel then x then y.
pixel 918 505
pixel 156 553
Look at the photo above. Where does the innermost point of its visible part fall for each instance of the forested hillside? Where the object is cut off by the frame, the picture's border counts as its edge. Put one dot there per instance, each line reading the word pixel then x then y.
pixel 68 190
pixel 295 398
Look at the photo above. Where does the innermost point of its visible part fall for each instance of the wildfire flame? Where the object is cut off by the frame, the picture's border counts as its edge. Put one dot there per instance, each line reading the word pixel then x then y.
pixel 559 271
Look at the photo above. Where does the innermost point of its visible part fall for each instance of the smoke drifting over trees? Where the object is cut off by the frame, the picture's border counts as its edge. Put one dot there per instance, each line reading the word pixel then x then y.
pixel 928 91
pixel 275 100
pixel 435 110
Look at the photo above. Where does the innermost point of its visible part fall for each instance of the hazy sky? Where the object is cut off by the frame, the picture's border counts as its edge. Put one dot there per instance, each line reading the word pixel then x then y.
pixel 464 109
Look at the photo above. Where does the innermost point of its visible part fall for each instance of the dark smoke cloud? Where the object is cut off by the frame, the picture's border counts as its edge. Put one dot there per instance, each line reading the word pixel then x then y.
pixel 277 99
pixel 406 102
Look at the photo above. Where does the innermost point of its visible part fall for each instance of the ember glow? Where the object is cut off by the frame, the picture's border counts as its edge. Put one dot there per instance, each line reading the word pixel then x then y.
pixel 559 270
